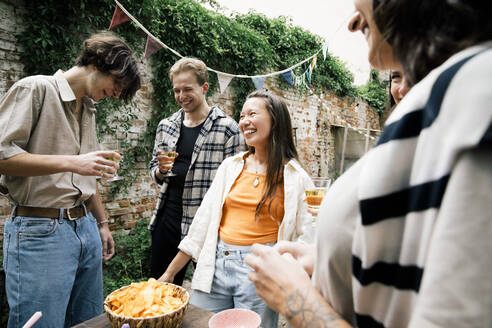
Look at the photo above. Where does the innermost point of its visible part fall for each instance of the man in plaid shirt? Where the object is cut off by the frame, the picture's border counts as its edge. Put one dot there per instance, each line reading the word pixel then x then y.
pixel 203 137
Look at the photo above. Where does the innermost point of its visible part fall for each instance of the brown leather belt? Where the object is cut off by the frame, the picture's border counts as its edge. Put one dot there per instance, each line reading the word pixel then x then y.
pixel 49 212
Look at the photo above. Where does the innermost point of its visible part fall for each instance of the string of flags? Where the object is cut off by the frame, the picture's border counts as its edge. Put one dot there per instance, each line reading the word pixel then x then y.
pixel 153 44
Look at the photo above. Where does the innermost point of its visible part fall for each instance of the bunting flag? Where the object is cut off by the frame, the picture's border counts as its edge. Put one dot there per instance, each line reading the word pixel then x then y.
pixel 287 77
pixel 325 49
pixel 224 81
pixel 301 80
pixel 258 82
pixel 314 62
pixel 308 75
pixel 151 46
pixel 119 17
pixel 296 80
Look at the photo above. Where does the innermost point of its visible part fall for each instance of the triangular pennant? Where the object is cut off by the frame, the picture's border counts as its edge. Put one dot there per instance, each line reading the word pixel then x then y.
pixel 119 17
pixel 224 81
pixel 288 77
pixel 325 49
pixel 258 82
pixel 308 75
pixel 296 80
pixel 151 46
pixel 315 60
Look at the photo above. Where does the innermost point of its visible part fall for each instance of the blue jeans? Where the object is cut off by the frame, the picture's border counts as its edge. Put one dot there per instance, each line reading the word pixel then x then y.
pixel 231 287
pixel 53 266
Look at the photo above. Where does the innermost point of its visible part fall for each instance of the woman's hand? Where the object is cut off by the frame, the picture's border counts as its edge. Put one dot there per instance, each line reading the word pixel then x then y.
pixel 302 253
pixel 285 286
pixel 175 266
pixel 166 277
pixel 277 277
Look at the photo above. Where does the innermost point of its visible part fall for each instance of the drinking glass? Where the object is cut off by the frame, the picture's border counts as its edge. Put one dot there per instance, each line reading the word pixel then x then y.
pixel 170 152
pixel 116 177
pixel 315 195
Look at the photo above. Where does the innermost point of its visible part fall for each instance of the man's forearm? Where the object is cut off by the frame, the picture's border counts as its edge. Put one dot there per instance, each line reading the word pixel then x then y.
pixel 27 164
pixel 308 309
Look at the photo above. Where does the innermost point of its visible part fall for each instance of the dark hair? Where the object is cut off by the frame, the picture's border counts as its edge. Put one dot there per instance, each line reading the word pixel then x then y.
pixel 280 148
pixel 111 55
pixel 425 33
pixel 194 65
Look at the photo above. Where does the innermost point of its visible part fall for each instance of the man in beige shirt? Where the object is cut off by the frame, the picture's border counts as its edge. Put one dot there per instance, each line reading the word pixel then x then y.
pixel 57 236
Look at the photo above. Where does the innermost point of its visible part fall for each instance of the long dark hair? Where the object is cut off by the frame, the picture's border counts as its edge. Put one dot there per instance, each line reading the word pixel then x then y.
pixel 111 55
pixel 280 148
pixel 425 33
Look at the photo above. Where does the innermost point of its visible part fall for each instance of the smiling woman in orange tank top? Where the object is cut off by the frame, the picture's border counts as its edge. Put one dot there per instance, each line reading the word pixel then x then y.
pixel 257 197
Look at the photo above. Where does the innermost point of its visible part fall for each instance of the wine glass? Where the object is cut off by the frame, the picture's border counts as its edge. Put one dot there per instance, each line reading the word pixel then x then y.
pixel 169 152
pixel 315 195
pixel 116 177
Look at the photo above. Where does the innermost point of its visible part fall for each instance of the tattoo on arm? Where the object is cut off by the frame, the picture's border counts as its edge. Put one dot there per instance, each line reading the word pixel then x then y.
pixel 308 309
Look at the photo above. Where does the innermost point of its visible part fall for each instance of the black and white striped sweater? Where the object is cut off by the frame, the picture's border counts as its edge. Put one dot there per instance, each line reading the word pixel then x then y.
pixel 401 185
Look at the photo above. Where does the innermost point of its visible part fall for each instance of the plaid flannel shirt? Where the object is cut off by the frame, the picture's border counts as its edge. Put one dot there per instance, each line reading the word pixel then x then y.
pixel 218 138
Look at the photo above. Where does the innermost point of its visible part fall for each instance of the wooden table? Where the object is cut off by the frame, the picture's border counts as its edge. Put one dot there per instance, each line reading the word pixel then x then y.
pixel 195 317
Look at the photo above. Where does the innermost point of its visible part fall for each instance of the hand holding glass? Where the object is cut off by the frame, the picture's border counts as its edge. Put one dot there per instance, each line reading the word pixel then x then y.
pixel 315 195
pixel 167 155
pixel 116 177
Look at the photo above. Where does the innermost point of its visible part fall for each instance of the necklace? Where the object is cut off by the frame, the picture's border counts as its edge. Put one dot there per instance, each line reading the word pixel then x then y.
pixel 257 180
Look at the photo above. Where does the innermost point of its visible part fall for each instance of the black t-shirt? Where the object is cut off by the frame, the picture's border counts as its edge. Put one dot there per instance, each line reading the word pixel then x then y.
pixel 184 147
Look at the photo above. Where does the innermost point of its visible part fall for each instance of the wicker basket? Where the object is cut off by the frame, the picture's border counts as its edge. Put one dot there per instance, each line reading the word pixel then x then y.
pixel 169 320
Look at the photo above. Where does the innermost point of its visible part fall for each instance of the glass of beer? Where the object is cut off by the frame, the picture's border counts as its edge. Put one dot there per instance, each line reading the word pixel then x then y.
pixel 116 177
pixel 169 152
pixel 315 195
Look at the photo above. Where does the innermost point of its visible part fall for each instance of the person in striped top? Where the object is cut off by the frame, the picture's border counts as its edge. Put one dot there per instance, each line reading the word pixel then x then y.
pixel 404 235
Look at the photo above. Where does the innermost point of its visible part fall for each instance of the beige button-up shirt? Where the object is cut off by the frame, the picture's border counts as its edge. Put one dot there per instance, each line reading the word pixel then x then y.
pixel 37 116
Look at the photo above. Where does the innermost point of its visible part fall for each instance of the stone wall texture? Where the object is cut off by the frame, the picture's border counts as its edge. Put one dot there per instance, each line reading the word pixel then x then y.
pixel 318 122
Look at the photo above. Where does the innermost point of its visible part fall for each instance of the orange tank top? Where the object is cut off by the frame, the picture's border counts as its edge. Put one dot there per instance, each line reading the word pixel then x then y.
pixel 238 225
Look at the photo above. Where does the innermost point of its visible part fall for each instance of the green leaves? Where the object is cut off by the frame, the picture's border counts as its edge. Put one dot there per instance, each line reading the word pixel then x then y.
pixel 131 261
pixel 375 92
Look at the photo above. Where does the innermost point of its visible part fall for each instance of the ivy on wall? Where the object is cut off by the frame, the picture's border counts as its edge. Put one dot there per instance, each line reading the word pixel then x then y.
pixel 245 44
pixel 375 92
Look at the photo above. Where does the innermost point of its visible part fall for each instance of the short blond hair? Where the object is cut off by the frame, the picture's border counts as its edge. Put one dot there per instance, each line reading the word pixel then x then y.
pixel 194 65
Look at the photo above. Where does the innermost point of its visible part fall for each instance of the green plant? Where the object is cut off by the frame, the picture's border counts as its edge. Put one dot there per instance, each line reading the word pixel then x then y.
pixel 131 260
pixel 375 92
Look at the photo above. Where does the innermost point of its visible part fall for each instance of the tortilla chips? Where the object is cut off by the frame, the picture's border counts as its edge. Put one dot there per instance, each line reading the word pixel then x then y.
pixel 144 299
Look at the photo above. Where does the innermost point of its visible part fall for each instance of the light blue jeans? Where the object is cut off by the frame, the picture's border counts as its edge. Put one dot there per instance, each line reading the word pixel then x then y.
pixel 53 266
pixel 231 287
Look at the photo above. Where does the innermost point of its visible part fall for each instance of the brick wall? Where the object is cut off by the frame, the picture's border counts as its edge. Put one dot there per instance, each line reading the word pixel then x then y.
pixel 314 126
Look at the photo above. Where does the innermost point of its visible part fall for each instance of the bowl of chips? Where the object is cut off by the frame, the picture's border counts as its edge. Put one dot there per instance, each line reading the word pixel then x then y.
pixel 147 304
